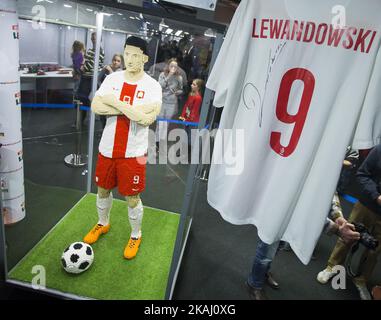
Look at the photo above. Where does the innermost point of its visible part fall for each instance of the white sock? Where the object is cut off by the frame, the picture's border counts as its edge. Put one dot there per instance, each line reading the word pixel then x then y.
pixel 104 207
pixel 135 215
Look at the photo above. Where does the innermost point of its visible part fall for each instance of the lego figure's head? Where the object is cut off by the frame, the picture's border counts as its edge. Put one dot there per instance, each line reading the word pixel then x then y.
pixel 135 54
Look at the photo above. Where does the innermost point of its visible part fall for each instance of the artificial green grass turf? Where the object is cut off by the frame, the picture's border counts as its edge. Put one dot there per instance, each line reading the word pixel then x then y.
pixel 110 276
pixel 38 221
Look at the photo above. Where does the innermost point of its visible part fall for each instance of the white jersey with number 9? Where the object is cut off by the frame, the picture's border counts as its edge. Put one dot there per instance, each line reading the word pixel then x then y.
pixel 303 85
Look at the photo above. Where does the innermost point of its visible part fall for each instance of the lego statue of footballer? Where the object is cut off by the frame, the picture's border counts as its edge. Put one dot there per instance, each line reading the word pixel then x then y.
pixel 131 100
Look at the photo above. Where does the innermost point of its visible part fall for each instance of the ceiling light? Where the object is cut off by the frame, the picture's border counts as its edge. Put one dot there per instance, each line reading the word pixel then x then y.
pixel 168 31
pixel 178 32
pixel 90 10
pixel 68 6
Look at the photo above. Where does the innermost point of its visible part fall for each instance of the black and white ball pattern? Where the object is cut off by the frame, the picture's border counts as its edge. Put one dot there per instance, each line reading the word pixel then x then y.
pixel 77 257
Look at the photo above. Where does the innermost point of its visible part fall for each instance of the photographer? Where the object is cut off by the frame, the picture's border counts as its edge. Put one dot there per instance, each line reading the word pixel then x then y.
pixel 367 212
pixel 338 225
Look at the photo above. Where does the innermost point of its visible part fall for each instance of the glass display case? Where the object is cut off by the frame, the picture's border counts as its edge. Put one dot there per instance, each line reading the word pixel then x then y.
pixel 60 150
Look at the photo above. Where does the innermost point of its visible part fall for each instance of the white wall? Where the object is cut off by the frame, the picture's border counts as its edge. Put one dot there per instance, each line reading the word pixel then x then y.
pixel 54 43
pixel 38 45
pixel 113 43
pixel 51 44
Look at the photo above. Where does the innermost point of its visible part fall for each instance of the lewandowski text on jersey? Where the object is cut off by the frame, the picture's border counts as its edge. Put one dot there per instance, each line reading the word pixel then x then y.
pixel 350 38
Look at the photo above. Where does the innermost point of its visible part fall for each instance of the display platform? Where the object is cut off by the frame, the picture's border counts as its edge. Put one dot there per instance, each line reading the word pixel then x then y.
pixel 110 276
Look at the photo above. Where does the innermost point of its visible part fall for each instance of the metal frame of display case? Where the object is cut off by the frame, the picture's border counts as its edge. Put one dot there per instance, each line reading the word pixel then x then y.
pixel 3 251
pixel 192 183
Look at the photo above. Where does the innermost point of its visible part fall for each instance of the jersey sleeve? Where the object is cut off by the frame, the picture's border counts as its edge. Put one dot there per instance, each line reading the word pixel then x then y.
pixel 220 77
pixel 157 92
pixel 368 130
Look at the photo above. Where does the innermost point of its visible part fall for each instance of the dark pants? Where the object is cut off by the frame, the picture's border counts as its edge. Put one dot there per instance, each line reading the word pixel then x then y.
pixel 83 93
pixel 264 256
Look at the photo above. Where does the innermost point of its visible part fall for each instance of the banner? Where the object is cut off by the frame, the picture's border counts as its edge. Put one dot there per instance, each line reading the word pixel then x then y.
pixel 11 160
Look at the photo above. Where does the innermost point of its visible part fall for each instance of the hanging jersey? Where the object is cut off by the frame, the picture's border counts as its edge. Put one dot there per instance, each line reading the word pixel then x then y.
pixel 300 85
pixel 121 137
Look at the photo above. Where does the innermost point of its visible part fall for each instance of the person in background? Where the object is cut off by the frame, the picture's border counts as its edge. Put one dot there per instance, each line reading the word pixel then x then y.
pixel 172 85
pixel 117 64
pixel 191 109
pixel 156 69
pixel 78 58
pixel 368 212
pixel 265 253
pixel 350 165
pixel 85 85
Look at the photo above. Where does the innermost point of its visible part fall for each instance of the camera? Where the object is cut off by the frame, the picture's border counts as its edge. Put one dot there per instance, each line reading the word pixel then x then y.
pixel 366 239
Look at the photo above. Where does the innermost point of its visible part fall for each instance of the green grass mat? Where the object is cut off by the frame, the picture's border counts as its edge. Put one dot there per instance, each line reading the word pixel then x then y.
pixel 110 276
pixel 38 220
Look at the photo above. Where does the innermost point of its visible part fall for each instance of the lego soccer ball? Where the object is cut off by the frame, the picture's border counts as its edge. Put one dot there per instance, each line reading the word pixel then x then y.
pixel 77 257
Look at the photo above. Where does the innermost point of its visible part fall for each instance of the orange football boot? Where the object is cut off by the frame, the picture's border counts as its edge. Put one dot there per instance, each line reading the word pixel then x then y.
pixel 132 248
pixel 95 233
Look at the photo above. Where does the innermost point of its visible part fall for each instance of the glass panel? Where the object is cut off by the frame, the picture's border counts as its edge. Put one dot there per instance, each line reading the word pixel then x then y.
pixel 56 96
pixel 166 39
pixel 52 10
pixel 168 158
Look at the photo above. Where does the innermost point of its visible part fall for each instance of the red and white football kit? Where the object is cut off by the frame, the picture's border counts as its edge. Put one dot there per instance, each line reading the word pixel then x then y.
pixel 124 143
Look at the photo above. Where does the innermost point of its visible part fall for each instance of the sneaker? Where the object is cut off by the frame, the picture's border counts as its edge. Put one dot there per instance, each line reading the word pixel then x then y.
pixel 132 248
pixel 256 294
pixel 95 233
pixel 324 276
pixel 362 289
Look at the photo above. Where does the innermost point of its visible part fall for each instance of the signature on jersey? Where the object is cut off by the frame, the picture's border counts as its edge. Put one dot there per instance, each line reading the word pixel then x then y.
pixel 251 98
pixel 251 95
